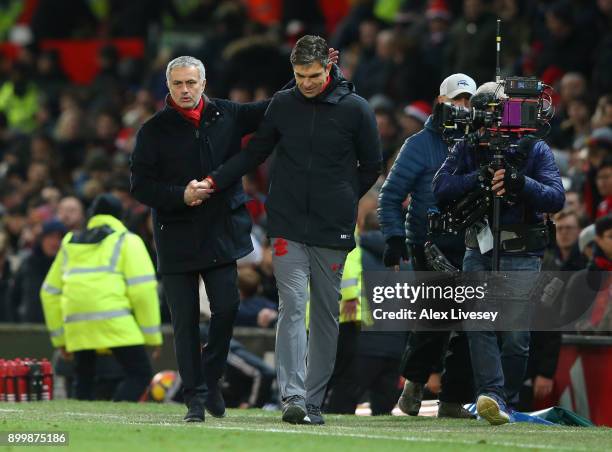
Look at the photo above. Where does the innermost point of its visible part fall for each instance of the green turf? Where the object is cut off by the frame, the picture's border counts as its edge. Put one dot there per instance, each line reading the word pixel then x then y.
pixel 113 427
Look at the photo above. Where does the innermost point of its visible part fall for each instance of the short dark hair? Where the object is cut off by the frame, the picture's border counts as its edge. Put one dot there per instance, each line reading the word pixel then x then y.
pixel 606 163
pixel 309 49
pixel 602 225
pixel 249 282
pixel 566 213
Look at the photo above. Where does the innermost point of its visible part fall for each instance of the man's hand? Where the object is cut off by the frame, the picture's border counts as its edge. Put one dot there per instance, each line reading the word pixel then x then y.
pixel 196 192
pixel 507 180
pixel 265 317
pixel 434 383
pixel 395 249
pixel 67 356
pixel 497 183
pixel 542 387
pixel 333 55
pixel 155 352
pixel 349 309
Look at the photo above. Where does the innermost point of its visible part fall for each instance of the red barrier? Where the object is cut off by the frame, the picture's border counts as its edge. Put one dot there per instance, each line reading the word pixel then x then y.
pixel 582 381
pixel 79 58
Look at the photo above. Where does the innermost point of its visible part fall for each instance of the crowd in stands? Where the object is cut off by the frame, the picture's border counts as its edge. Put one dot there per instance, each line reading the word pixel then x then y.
pixel 63 142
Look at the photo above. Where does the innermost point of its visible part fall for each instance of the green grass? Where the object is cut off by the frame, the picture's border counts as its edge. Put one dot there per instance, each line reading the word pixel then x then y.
pixel 110 427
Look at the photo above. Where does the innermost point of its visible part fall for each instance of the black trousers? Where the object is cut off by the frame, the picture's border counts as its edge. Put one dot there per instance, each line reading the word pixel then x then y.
pixel 202 368
pixel 135 363
pixel 342 386
pixel 379 377
pixel 429 352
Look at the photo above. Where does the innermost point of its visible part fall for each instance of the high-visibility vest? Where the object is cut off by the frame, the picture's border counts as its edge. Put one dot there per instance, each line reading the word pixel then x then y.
pixel 351 284
pixel 101 290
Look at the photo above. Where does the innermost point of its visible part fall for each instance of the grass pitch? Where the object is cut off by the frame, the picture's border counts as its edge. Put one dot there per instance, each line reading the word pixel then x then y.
pixel 109 427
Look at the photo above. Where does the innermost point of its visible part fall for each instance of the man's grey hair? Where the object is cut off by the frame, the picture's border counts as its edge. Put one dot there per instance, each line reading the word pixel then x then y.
pixel 310 49
pixel 491 88
pixel 186 61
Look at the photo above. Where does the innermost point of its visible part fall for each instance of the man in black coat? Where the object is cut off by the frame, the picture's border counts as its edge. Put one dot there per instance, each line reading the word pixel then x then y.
pixel 328 156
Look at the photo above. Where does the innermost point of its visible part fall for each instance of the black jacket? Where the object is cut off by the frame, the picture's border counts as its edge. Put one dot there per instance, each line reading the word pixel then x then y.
pixel 328 156
pixel 169 153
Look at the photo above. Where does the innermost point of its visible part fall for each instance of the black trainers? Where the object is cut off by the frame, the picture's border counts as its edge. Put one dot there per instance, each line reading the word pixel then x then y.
pixel 313 415
pixel 195 413
pixel 410 400
pixel 294 410
pixel 215 405
pixel 454 410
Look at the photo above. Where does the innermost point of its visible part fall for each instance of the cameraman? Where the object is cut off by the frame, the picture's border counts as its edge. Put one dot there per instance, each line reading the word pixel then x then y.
pixel 530 184
pixel 417 162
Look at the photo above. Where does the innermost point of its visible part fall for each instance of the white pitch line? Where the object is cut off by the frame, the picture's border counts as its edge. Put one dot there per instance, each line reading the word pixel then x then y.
pixel 306 431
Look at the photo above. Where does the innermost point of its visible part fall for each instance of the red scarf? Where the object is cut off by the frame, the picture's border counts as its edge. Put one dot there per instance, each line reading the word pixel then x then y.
pixel 193 115
pixel 326 83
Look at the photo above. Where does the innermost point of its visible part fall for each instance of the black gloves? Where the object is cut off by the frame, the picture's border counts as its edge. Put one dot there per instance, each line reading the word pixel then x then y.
pixel 485 176
pixel 395 248
pixel 514 181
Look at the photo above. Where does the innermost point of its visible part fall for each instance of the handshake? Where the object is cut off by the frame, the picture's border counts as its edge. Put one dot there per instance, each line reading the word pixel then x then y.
pixel 196 192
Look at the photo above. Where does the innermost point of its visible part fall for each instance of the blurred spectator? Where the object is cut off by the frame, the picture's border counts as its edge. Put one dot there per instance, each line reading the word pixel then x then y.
pixel 134 18
pixel 586 241
pixel 49 76
pixel 566 255
pixel 389 132
pixel 573 131
pixel 6 275
pixel 566 45
pixel 19 99
pixel 266 274
pixel 573 201
pixel 434 44
pixel 254 309
pixel 603 113
pixel 64 19
pixel 25 296
pixel 374 55
pixel 515 34
pixel 471 43
pixel 587 296
pixel 413 117
pixel 604 187
pixel 599 146
pixel 71 213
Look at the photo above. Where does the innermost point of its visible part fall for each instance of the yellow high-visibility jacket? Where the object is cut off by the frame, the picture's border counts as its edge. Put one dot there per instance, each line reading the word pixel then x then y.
pixel 101 290
pixel 351 284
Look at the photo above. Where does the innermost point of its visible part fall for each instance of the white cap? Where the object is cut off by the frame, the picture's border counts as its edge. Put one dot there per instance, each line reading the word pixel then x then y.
pixel 587 236
pixel 455 84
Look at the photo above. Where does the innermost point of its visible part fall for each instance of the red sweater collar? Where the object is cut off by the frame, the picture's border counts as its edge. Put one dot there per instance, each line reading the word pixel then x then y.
pixel 193 115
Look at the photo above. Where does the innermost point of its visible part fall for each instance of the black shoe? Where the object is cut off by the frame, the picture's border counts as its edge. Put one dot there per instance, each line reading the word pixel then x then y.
pixel 454 410
pixel 294 411
pixel 410 400
pixel 195 413
pixel 215 405
pixel 313 415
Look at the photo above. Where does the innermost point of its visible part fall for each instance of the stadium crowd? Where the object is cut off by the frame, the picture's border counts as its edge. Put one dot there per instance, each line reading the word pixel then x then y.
pixel 63 143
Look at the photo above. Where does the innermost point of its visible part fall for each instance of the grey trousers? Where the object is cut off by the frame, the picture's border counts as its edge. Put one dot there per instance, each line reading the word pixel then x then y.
pixel 304 365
